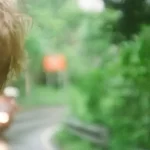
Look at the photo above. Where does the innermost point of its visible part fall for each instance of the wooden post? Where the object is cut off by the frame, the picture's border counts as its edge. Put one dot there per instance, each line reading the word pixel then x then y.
pixel 47 78
pixel 27 82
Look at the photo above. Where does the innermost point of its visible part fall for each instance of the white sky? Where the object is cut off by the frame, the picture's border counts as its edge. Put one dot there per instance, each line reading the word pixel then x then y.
pixel 91 5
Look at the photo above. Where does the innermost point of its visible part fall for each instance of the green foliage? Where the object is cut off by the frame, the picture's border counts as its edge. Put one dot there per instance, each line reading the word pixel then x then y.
pixel 134 14
pixel 96 32
pixel 135 109
pixel 112 81
pixel 116 89
pixel 54 29
pixel 54 20
pixel 34 48
pixel 95 78
pixel 118 94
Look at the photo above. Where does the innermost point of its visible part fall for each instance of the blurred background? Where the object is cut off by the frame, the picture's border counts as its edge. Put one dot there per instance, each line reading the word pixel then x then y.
pixel 92 56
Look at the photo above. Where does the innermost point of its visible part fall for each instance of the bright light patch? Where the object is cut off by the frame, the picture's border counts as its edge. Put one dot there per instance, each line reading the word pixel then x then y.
pixel 11 92
pixel 3 145
pixel 4 117
pixel 92 5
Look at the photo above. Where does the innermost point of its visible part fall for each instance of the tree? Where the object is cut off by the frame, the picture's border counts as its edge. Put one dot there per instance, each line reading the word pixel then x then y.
pixel 134 15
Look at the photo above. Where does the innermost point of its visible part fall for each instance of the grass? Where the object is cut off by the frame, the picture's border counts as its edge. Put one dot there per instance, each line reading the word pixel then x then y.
pixel 43 96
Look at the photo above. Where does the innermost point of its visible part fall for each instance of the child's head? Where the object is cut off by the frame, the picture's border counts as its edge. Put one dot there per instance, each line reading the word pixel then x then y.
pixel 12 34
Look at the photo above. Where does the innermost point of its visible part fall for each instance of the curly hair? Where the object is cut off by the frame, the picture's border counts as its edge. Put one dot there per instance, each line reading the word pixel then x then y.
pixel 12 37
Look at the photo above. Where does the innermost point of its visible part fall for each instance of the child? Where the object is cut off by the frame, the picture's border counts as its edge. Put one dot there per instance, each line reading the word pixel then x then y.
pixel 12 37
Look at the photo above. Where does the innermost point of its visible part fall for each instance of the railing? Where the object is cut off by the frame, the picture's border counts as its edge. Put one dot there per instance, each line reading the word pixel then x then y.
pixel 96 135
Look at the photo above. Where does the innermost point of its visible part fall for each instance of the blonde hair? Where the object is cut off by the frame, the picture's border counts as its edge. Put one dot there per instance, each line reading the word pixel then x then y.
pixel 12 37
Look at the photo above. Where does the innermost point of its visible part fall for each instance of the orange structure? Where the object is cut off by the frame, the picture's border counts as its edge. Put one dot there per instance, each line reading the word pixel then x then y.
pixel 54 63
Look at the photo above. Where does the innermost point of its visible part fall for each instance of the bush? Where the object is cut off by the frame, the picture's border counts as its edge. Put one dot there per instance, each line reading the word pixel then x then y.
pixel 132 116
pixel 117 93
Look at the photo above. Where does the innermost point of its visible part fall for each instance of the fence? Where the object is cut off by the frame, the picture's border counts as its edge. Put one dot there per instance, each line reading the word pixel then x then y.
pixel 96 135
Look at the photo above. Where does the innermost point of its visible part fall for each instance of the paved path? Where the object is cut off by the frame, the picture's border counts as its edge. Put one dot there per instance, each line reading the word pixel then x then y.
pixel 29 127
